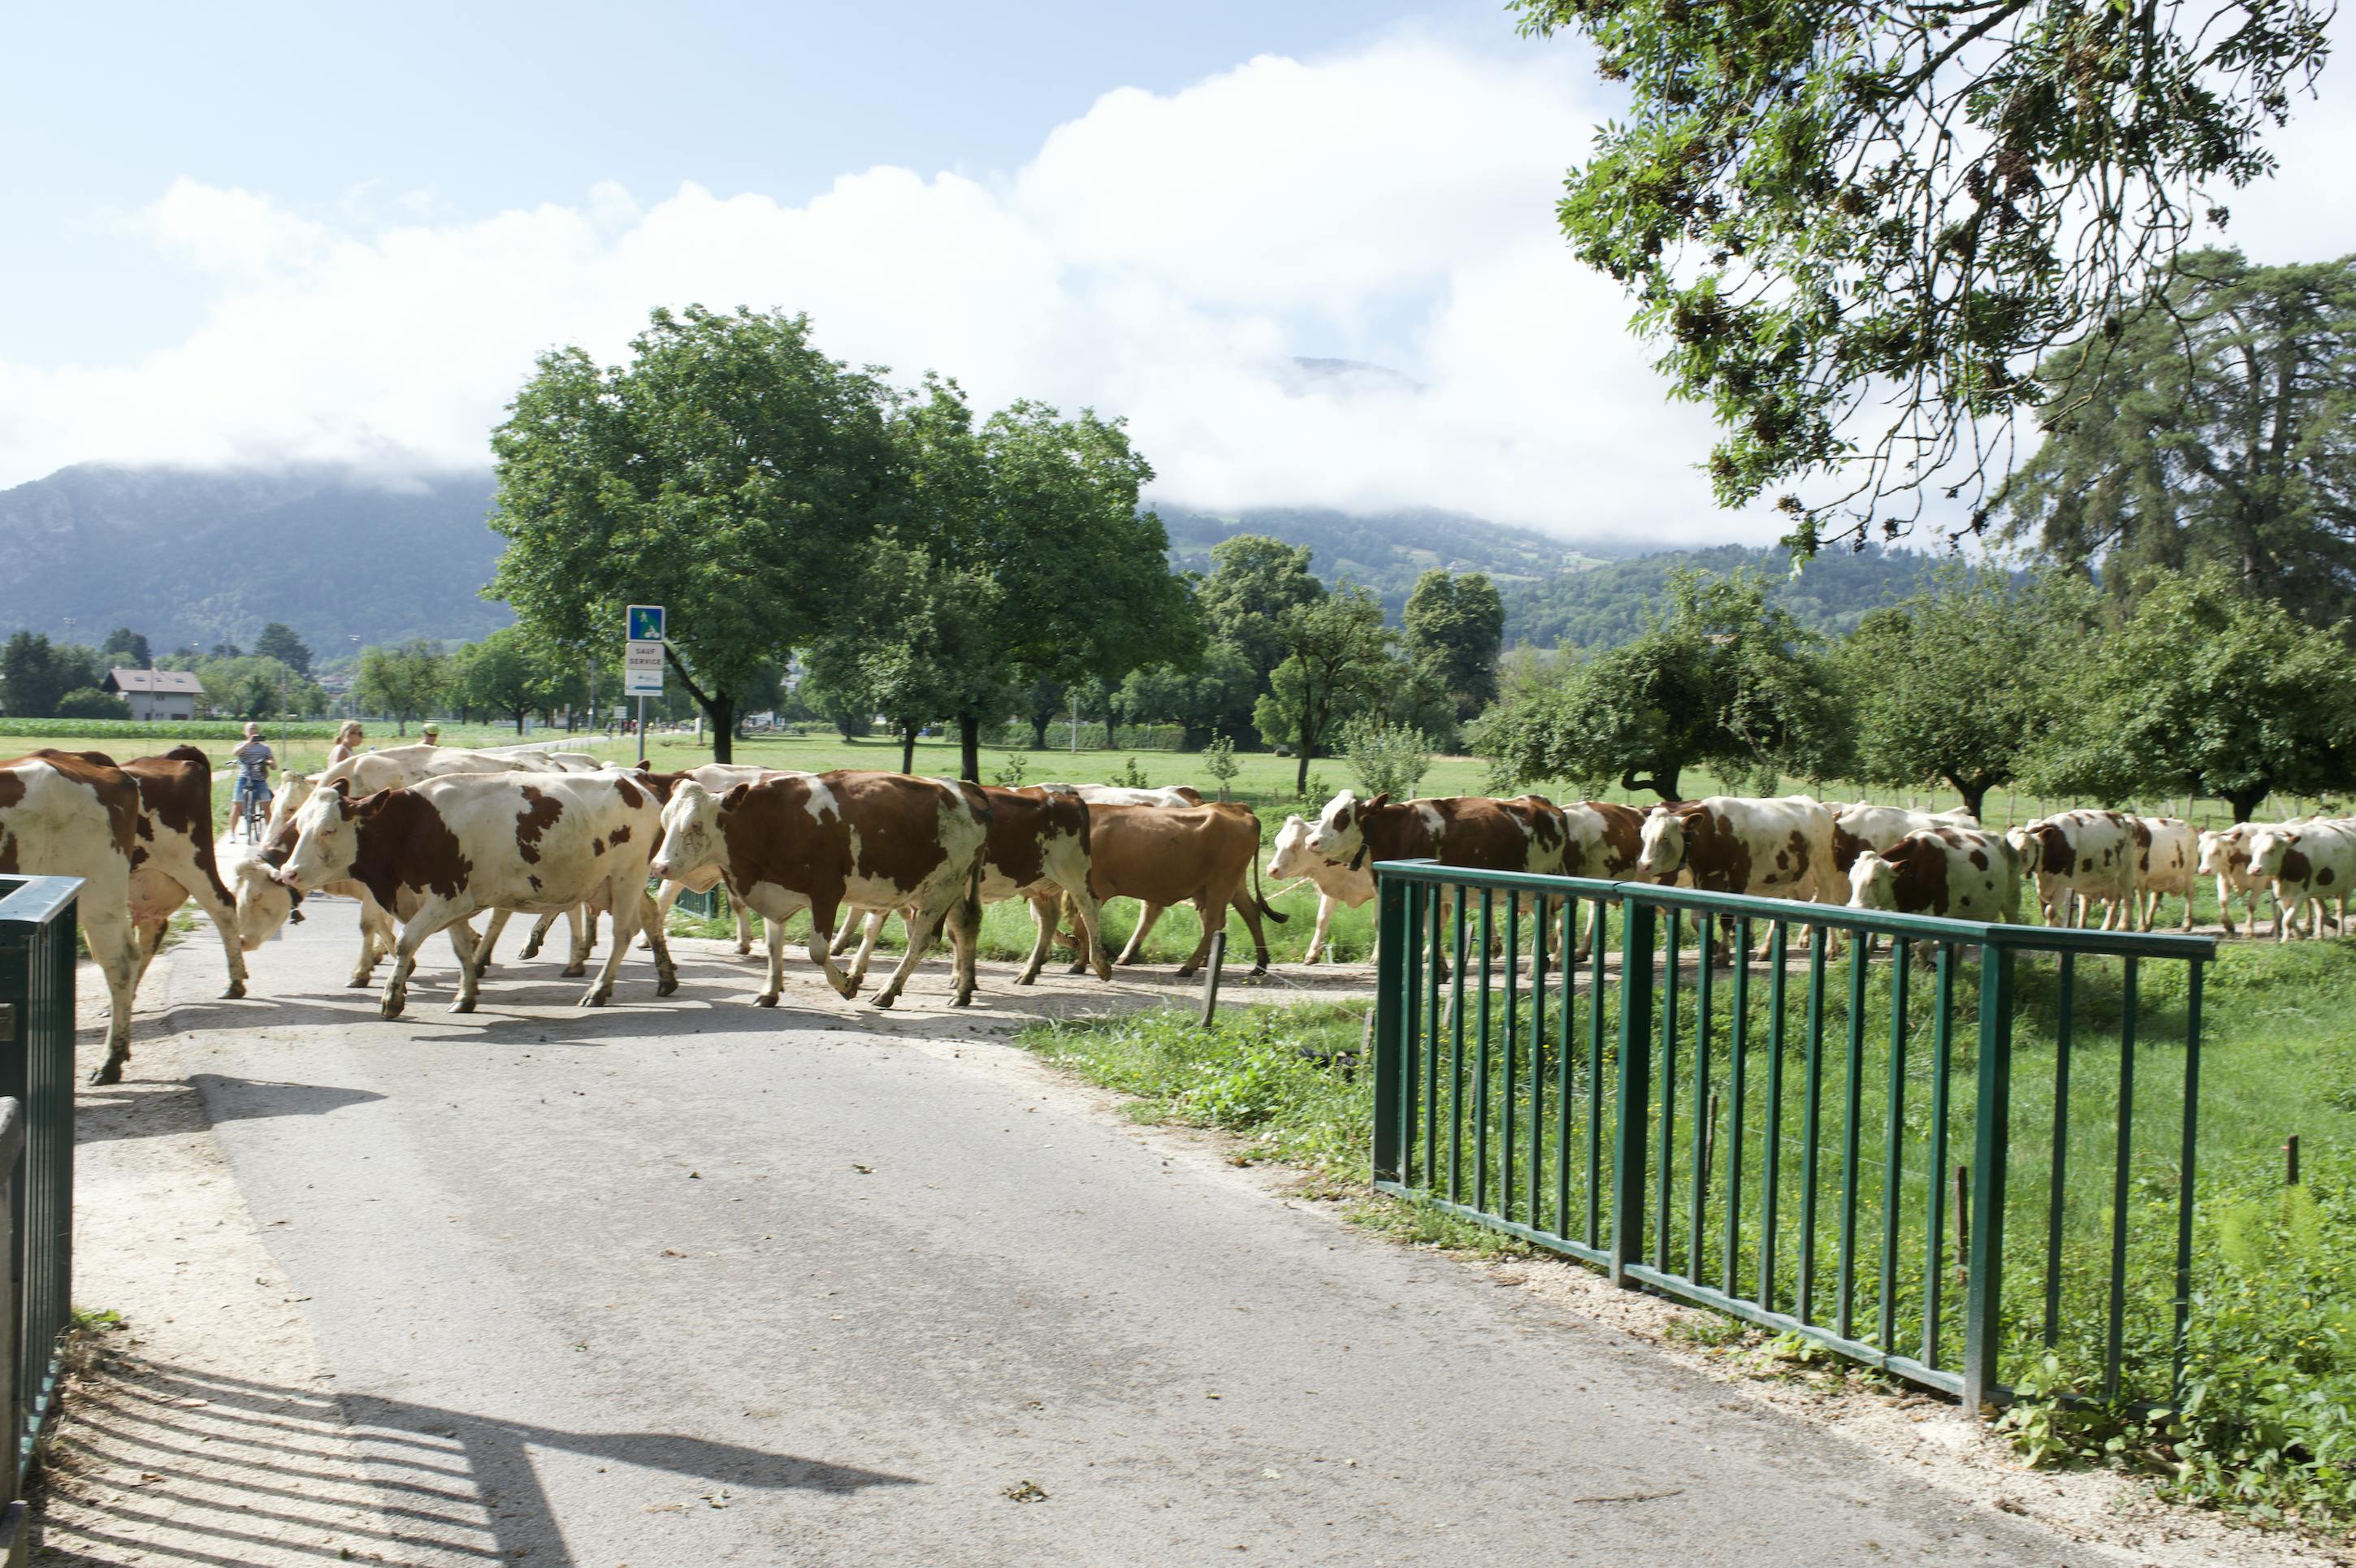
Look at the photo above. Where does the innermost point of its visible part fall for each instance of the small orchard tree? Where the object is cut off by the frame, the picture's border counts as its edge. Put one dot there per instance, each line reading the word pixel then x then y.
pixel 1338 661
pixel 1389 760
pixel 2206 690
pixel 402 681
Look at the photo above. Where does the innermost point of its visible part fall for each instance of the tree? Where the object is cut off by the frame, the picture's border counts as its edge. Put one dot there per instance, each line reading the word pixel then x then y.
pixel 730 472
pixel 401 680
pixel 91 703
pixel 510 671
pixel 1827 203
pixel 2206 691
pixel 278 641
pixel 2221 428
pixel 1214 697
pixel 129 646
pixel 1254 581
pixel 1724 680
pixel 1455 625
pixel 1337 664
pixel 1961 681
pixel 28 676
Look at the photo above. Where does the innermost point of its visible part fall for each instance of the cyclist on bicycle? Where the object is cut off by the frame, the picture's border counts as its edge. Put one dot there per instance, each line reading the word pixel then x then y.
pixel 251 803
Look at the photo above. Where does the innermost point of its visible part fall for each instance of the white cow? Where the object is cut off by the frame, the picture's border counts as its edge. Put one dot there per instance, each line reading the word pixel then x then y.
pixel 442 850
pixel 2309 862
pixel 2081 855
pixel 2169 864
pixel 1961 873
pixel 63 816
pixel 2225 855
pixel 1338 886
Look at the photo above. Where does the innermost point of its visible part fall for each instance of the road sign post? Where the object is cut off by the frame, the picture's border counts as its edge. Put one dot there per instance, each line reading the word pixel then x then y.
pixel 642 662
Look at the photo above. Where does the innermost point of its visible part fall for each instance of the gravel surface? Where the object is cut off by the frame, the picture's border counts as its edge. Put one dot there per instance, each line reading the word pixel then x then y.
pixel 697 1284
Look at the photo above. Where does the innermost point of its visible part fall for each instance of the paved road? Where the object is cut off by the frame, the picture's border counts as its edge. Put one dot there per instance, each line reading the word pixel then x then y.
pixel 698 1285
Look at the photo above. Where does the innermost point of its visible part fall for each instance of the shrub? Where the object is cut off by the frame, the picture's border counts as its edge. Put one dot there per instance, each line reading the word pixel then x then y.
pixel 90 703
pixel 1010 772
pixel 1220 762
pixel 1132 777
pixel 1389 760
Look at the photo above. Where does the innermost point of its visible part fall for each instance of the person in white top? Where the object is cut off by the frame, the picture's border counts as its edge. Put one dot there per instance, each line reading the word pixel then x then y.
pixel 347 742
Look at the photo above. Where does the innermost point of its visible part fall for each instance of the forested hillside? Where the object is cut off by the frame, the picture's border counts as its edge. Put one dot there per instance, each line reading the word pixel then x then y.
pixel 1385 551
pixel 1606 603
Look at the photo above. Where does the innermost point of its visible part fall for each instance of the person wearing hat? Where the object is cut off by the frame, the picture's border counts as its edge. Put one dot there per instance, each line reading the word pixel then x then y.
pixel 432 736
pixel 251 802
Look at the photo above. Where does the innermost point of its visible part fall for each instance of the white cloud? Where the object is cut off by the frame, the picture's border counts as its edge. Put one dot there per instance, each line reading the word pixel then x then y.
pixel 1163 257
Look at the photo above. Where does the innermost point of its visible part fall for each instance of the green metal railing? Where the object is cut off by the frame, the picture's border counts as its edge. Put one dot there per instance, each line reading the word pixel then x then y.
pixel 1555 1059
pixel 36 1143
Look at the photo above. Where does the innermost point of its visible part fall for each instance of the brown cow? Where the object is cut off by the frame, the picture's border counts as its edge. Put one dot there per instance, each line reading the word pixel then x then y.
pixel 62 816
pixel 1962 873
pixel 1163 855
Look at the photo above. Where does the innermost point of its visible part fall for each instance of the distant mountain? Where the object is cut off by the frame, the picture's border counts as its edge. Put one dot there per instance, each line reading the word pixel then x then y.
pixel 1385 551
pixel 1607 604
pixel 191 557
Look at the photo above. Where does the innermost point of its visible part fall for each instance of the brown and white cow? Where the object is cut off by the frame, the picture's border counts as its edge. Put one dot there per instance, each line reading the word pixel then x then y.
pixel 172 860
pixel 1159 855
pixel 439 851
pixel 1863 826
pixel 1729 843
pixel 61 816
pixel 1525 834
pixel 2081 855
pixel 1961 873
pixel 1338 887
pixel 2308 863
pixel 827 841
pixel 2168 864
pixel 1038 850
pixel 1122 795
pixel 2225 855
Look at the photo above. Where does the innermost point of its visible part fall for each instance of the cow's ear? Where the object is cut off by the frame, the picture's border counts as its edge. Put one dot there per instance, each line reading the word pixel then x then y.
pixel 342 787
pixel 645 764
pixel 735 797
pixel 1379 802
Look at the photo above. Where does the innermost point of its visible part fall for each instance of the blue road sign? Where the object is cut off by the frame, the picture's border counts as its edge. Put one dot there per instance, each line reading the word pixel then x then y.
pixel 646 623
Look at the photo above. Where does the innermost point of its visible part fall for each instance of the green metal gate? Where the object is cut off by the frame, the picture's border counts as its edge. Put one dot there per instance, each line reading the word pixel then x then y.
pixel 1840 1164
pixel 36 1143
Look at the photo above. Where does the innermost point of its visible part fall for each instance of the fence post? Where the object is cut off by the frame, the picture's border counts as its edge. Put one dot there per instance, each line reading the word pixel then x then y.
pixel 1636 1097
pixel 1991 1117
pixel 1392 976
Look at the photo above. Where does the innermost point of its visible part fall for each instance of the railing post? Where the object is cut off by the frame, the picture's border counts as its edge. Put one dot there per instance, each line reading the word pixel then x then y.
pixel 1635 1098
pixel 1991 1118
pixel 1392 976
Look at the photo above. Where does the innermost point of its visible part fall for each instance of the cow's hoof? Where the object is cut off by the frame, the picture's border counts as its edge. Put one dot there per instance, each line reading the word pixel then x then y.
pixel 1083 968
pixel 767 999
pixel 574 971
pixel 107 1071
pixel 530 949
pixel 391 1007
pixel 462 1004
pixel 1126 959
pixel 666 986
pixel 883 999
pixel 1259 969
pixel 236 990
pixel 1187 972
pixel 595 999
pixel 744 949
pixel 1104 970
pixel 357 982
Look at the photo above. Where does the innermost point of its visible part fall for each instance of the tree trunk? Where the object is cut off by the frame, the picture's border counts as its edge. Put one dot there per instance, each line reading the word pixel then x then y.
pixel 1038 732
pixel 908 748
pixel 1660 782
pixel 519 722
pixel 1972 794
pixel 969 748
pixel 722 711
pixel 1112 739
pixel 2244 802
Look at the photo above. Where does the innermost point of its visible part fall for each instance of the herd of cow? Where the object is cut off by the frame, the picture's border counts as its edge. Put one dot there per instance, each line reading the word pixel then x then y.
pixel 425 838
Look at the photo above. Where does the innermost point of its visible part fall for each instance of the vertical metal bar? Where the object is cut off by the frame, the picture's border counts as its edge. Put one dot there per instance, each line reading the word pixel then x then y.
pixel 1480 1066
pixel 1894 1142
pixel 1456 1058
pixel 1564 1077
pixel 1852 1109
pixel 1736 1046
pixel 1537 1061
pixel 2184 1182
pixel 1507 1145
pixel 1435 896
pixel 1935 1243
pixel 1991 1151
pixel 1812 1088
pixel 1597 931
pixel 2062 1041
pixel 1392 978
pixel 1668 1081
pixel 1696 1241
pixel 2114 1340
pixel 1410 1066
pixel 1773 1157
pixel 1636 935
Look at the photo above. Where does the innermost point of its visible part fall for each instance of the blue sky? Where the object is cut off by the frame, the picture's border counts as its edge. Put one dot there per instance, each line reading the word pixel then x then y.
pixel 274 234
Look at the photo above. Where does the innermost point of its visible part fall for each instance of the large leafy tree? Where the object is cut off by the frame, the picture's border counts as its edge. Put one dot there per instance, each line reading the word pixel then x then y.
pixel 1723 681
pixel 1454 625
pixel 1961 681
pixel 2220 428
pixel 2207 691
pixel 511 672
pixel 731 472
pixel 1254 581
pixel 1853 227
pixel 401 681
pixel 1337 664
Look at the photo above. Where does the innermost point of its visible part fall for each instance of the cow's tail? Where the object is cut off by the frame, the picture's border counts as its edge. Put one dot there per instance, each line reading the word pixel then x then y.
pixel 970 902
pixel 1267 909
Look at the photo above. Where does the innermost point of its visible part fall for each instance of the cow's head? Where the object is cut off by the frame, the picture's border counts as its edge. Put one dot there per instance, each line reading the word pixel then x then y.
pixel 1339 834
pixel 2269 848
pixel 2222 853
pixel 1663 841
pixel 262 901
pixel 327 839
pixel 692 838
pixel 1291 857
pixel 1872 883
pixel 2024 846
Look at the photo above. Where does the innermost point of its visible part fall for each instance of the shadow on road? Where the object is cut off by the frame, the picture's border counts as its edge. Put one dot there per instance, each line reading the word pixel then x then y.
pixel 175 1466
